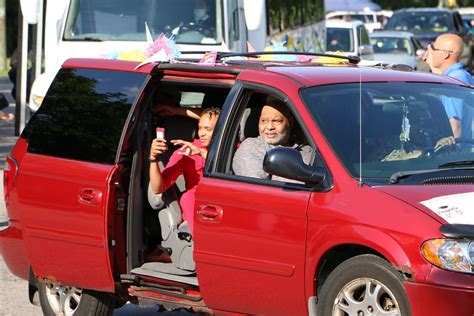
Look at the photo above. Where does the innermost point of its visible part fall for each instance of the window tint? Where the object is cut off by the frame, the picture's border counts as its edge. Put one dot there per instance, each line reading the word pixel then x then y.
pixel 83 114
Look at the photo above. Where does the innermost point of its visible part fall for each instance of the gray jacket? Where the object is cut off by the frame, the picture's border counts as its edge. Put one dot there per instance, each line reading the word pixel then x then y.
pixel 248 159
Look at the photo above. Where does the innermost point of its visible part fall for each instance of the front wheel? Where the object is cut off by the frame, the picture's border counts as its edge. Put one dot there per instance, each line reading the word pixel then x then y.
pixel 68 301
pixel 364 285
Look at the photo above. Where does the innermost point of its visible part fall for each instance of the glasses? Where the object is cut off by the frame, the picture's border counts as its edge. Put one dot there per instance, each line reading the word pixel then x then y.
pixel 431 45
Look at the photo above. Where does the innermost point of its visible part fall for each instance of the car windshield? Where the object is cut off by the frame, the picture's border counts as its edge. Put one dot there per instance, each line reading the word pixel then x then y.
pixel 191 22
pixel 339 39
pixel 421 22
pixel 397 126
pixel 391 45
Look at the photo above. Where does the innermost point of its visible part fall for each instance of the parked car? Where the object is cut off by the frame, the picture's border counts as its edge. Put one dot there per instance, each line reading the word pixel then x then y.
pixel 467 14
pixel 379 219
pixel 398 48
pixel 351 38
pixel 429 23
pixel 373 20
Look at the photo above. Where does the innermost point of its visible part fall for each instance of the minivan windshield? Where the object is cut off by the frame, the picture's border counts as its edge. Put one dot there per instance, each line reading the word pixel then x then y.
pixel 397 126
pixel 421 22
pixel 190 22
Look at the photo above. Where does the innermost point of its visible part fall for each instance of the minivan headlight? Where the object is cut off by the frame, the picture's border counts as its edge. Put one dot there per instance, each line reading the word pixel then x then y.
pixel 450 254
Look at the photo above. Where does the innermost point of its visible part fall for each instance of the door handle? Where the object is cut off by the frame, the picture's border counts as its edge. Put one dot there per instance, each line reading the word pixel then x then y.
pixel 90 197
pixel 210 213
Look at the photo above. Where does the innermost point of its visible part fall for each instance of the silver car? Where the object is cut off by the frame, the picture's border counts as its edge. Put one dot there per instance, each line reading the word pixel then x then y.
pixel 398 48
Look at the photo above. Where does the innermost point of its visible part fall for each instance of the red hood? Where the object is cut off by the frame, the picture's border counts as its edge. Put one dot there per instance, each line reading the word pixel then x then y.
pixel 415 194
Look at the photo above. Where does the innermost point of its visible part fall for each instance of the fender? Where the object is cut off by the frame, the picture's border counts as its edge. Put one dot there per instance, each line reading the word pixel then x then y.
pixel 375 239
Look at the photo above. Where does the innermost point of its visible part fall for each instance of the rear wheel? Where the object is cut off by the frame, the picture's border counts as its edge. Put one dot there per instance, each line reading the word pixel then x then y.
pixel 68 301
pixel 364 285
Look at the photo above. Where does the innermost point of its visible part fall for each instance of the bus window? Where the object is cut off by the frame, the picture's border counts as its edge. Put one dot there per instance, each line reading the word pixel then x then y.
pixel 122 20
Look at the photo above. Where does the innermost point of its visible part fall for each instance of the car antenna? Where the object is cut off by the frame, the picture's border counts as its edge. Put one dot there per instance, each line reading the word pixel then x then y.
pixel 360 128
pixel 360 121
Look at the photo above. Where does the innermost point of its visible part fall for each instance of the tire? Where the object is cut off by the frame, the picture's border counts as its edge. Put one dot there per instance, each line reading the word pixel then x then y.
pixel 75 301
pixel 352 279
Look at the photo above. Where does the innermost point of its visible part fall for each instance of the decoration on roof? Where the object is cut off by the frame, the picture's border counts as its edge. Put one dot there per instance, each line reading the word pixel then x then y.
pixel 209 58
pixel 331 60
pixel 277 47
pixel 163 49
pixel 130 55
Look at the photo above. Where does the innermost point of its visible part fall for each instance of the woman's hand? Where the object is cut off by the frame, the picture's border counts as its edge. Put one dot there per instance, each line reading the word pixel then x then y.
pixel 187 148
pixel 158 147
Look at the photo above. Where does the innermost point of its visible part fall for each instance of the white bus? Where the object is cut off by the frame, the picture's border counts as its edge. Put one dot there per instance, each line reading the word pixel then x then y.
pixel 95 28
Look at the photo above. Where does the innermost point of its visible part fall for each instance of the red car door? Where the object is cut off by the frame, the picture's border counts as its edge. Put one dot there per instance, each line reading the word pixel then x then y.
pixel 64 182
pixel 250 234
pixel 66 222
pixel 252 259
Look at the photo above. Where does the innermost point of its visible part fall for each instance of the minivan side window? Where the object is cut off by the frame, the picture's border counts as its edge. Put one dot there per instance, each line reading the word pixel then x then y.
pixel 244 158
pixel 83 115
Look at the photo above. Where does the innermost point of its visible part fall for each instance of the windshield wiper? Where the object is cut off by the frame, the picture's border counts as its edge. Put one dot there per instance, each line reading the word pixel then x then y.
pixel 460 163
pixel 397 176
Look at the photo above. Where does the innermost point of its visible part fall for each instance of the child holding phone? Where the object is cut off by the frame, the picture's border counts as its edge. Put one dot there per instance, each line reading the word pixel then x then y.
pixel 188 160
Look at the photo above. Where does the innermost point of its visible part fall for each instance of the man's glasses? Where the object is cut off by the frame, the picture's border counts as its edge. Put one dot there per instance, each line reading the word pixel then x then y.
pixel 431 46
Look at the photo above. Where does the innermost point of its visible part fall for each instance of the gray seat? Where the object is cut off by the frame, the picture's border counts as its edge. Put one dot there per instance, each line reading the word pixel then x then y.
pixel 175 233
pixel 249 123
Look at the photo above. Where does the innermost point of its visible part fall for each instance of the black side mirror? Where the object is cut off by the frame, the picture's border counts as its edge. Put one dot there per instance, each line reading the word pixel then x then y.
pixel 287 162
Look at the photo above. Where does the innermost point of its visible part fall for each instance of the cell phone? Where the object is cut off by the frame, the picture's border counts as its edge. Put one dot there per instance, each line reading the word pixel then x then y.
pixel 160 133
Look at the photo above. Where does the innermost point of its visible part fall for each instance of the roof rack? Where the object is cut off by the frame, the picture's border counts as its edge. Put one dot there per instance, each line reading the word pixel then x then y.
pixel 224 55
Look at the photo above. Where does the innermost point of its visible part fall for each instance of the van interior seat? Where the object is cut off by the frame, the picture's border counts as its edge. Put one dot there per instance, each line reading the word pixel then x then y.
pixel 175 233
pixel 249 123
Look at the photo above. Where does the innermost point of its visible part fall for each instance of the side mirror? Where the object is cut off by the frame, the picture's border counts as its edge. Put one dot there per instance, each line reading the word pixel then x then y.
pixel 287 163
pixel 420 52
pixel 30 10
pixel 254 11
pixel 366 50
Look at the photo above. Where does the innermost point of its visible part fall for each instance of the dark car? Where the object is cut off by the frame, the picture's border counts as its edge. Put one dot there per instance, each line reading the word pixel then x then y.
pixel 377 221
pixel 429 23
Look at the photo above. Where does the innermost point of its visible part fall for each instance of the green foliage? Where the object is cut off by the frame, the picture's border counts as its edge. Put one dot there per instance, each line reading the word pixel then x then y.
pixel 400 4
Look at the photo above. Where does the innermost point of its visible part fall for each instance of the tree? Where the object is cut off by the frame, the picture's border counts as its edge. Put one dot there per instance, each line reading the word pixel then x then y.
pixel 3 42
pixel 400 4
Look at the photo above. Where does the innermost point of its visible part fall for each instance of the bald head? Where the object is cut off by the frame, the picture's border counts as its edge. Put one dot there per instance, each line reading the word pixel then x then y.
pixel 445 52
pixel 450 42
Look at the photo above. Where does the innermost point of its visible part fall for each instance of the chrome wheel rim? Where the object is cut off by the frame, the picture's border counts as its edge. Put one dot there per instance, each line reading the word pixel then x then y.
pixel 365 297
pixel 63 300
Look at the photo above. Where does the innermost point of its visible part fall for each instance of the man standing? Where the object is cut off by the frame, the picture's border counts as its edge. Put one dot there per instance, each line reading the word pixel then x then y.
pixel 443 58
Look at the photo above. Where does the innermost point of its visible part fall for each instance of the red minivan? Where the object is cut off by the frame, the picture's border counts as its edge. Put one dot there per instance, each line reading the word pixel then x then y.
pixel 378 220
